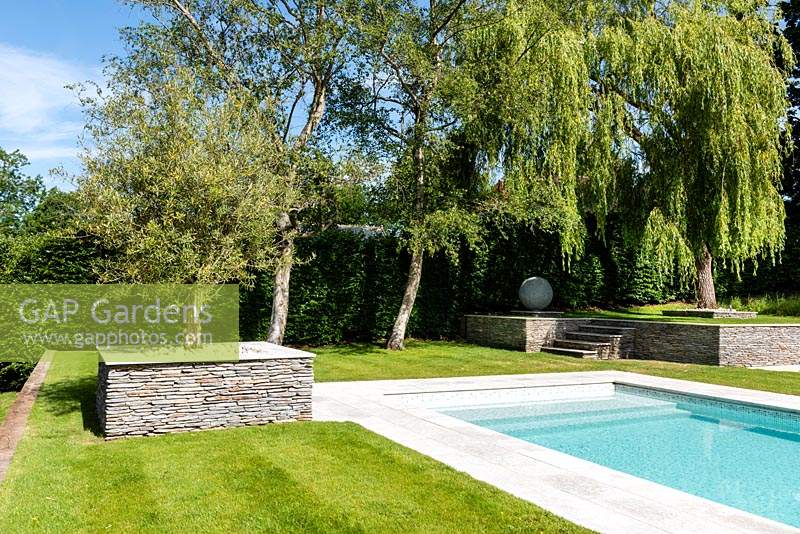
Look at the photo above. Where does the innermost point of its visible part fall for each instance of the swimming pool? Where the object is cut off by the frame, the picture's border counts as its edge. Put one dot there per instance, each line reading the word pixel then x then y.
pixel 743 456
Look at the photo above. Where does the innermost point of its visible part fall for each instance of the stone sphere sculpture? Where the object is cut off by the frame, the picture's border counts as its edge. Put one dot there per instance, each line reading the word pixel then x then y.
pixel 536 293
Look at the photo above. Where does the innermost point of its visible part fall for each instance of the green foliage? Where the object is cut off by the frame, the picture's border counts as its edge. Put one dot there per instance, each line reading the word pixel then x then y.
pixel 48 247
pixel 527 110
pixel 348 285
pixel 697 89
pixel 184 183
pixel 48 258
pixel 344 287
pixel 400 101
pixel 18 193
pixel 14 375
pixel 768 304
pixel 57 210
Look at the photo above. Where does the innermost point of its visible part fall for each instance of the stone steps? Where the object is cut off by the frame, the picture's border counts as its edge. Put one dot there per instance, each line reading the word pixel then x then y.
pixel 598 339
pixel 590 336
pixel 612 330
pixel 567 343
pixel 578 353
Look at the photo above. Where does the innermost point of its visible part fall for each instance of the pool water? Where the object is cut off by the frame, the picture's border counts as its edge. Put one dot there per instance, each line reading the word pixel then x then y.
pixel 741 456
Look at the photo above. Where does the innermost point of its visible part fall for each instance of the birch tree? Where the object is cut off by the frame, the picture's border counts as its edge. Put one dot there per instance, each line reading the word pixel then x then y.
pixel 401 105
pixel 283 53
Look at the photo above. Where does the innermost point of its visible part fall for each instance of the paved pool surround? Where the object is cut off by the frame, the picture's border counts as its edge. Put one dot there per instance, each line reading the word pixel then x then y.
pixel 743 345
pixel 268 384
pixel 591 495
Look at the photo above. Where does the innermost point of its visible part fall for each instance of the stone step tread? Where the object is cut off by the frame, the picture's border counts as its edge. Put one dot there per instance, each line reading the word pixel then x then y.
pixel 601 327
pixel 578 344
pixel 592 336
pixel 570 352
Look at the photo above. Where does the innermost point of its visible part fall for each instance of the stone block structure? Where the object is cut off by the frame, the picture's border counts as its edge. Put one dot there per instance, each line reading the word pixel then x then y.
pixel 744 345
pixel 535 333
pixel 267 384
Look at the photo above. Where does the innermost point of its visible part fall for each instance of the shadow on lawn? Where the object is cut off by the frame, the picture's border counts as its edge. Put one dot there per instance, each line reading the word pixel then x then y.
pixel 345 349
pixel 68 395
pixel 373 349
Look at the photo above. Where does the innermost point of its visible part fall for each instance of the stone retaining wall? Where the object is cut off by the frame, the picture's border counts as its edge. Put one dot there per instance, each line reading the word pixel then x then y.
pixel 530 334
pixel 271 384
pixel 674 342
pixel 715 344
pixel 518 332
pixel 756 345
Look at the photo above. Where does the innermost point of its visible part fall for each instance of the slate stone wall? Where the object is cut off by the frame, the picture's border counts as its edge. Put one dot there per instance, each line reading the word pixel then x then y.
pixel 516 332
pixel 716 344
pixel 149 399
pixel 756 345
pixel 712 344
pixel 676 342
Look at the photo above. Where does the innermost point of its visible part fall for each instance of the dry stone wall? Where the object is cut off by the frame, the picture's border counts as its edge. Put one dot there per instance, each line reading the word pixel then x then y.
pixel 147 399
pixel 756 345
pixel 701 343
pixel 517 332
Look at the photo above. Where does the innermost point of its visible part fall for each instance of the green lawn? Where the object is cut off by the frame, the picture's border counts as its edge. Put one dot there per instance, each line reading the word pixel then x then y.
pixel 653 313
pixel 297 477
pixel 428 359
pixel 6 399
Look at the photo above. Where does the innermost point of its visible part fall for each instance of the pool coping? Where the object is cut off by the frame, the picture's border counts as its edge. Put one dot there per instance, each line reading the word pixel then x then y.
pixel 585 493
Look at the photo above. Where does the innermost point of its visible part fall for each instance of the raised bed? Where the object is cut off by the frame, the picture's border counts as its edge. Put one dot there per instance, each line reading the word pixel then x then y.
pixel 268 383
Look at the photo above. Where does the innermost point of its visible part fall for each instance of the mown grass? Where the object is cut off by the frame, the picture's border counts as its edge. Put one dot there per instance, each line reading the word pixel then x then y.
pixel 6 400
pixel 770 311
pixel 429 359
pixel 297 477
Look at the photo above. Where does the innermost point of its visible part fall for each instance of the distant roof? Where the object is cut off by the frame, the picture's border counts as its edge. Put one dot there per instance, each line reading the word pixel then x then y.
pixel 361 229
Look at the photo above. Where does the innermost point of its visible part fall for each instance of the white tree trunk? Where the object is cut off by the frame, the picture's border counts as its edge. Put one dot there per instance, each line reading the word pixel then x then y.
pixel 398 333
pixel 280 295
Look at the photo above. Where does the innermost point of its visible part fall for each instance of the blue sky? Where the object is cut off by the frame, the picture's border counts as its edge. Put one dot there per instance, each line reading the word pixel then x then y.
pixel 45 45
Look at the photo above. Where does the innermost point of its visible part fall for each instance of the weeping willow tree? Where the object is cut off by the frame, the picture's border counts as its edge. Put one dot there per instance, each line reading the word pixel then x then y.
pixel 693 97
pixel 671 114
pixel 530 114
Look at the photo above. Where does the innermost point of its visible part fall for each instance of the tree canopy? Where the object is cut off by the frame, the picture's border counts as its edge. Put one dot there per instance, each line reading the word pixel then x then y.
pixel 671 116
pixel 667 116
pixel 19 193
pixel 184 183
pixel 696 93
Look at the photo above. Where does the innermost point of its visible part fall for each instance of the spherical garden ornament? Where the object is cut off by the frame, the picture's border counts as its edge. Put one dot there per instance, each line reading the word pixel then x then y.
pixel 536 293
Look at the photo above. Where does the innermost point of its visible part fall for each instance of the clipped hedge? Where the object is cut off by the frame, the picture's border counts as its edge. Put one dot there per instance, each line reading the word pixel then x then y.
pixel 41 259
pixel 349 287
pixel 343 287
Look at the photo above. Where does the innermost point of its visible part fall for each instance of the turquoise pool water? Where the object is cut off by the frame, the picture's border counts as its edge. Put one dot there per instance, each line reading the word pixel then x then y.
pixel 741 456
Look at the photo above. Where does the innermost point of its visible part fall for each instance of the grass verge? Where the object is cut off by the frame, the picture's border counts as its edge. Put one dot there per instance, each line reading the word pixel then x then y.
pixel 6 400
pixel 297 477
pixel 429 359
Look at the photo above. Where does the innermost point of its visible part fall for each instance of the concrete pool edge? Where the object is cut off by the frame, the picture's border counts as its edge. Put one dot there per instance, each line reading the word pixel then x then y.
pixel 585 493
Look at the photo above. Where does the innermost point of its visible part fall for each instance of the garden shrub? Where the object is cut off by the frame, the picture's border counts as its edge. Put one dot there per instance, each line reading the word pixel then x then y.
pixel 14 375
